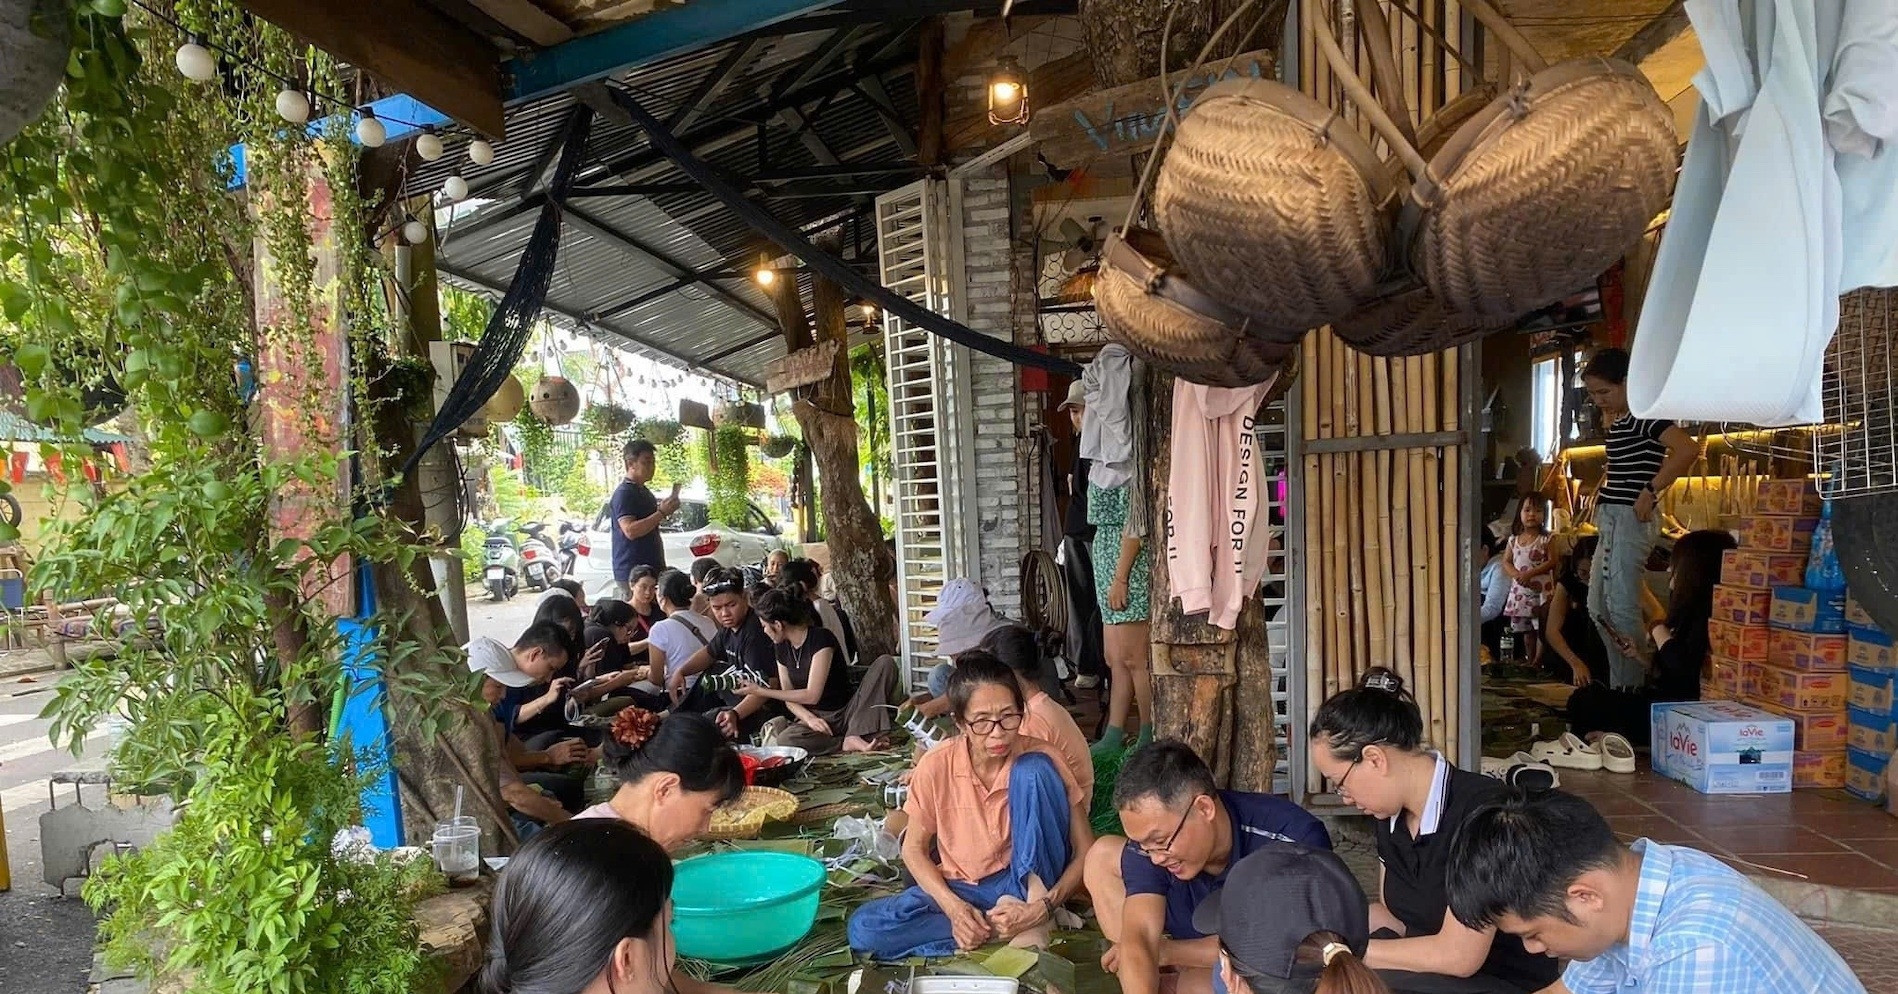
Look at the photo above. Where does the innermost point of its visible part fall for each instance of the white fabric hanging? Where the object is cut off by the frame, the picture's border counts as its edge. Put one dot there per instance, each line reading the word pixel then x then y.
pixel 1743 299
pixel 1107 429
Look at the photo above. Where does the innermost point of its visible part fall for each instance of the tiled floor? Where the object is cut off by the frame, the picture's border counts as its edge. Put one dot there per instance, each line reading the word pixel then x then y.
pixel 1821 836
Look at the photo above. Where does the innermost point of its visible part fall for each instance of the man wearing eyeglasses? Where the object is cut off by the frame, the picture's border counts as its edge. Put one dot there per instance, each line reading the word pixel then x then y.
pixel 1183 835
pixel 740 651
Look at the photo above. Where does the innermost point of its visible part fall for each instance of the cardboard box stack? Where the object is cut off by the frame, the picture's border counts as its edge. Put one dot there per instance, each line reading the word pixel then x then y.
pixel 1789 642
pixel 1719 747
pixel 1872 727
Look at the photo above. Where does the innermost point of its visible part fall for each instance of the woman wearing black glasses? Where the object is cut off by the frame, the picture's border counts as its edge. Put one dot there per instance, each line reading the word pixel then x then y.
pixel 1368 744
pixel 997 831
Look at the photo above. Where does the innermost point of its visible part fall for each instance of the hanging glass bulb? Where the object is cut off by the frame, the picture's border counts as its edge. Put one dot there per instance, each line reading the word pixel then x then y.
pixel 428 147
pixel 414 232
pixel 293 106
pixel 455 187
pixel 480 152
pixel 196 62
pixel 370 131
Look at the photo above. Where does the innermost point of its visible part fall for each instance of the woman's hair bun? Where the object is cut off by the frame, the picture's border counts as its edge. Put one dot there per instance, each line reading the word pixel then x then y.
pixel 1381 678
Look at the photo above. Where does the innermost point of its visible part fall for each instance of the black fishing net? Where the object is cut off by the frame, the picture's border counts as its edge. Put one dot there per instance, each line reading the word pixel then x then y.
pixel 505 338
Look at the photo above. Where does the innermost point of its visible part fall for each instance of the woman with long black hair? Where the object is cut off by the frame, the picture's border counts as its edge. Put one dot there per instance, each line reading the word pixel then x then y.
pixel 674 771
pixel 584 908
pixel 829 709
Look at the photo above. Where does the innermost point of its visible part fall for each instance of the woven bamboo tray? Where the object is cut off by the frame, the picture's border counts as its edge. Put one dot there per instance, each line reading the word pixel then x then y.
pixel 745 817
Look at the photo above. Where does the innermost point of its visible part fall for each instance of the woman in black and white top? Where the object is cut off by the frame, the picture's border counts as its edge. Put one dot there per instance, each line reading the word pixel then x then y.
pixel 1644 459
pixel 828 711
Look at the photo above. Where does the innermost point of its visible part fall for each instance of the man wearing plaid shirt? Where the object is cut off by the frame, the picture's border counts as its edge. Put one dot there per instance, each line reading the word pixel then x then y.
pixel 1649 918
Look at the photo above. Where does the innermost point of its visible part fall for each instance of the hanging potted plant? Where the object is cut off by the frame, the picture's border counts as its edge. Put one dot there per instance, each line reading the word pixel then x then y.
pixel 778 446
pixel 660 431
pixel 608 420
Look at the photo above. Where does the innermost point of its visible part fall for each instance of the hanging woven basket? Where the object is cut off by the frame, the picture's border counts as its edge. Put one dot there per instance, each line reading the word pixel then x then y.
pixel 1545 187
pixel 1275 204
pixel 1410 322
pixel 1151 307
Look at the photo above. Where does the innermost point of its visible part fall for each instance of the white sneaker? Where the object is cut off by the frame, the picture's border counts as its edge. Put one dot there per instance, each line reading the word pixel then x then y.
pixel 1086 682
pixel 1568 752
pixel 1617 753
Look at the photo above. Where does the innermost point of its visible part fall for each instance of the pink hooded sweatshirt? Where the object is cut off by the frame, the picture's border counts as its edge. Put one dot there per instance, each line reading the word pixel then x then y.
pixel 1215 496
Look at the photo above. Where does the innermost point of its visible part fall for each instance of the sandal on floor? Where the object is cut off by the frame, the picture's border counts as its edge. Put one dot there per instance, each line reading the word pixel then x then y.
pixel 1617 753
pixel 1568 752
pixel 1528 775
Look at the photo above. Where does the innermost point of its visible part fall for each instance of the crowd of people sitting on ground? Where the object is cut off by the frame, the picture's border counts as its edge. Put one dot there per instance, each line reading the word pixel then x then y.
pixel 1482 888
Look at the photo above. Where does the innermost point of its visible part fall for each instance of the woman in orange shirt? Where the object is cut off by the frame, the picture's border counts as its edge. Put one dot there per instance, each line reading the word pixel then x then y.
pixel 997 829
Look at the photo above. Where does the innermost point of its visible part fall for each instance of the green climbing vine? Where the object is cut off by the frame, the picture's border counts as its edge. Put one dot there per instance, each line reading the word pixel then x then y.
pixel 729 483
pixel 127 264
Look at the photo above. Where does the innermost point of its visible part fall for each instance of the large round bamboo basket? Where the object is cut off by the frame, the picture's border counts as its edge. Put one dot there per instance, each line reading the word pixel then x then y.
pixel 1412 322
pixel 1275 204
pixel 1543 189
pixel 1151 307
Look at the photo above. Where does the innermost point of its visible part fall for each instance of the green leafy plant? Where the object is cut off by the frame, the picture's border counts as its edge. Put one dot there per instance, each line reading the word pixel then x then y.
pixel 124 252
pixel 729 484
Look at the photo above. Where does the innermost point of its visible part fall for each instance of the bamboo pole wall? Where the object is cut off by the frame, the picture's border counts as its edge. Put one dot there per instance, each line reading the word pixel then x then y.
pixel 1387 519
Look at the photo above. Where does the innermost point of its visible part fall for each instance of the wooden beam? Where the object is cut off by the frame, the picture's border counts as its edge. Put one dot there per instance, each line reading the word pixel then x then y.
pixel 406 44
pixel 526 20
pixel 1665 27
pixel 932 93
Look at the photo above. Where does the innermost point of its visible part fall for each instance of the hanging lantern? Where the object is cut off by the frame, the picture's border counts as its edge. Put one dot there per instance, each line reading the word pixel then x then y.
pixel 480 152
pixel 428 147
pixel 370 131
pixel 554 400
pixel 1008 93
pixel 196 62
pixel 455 188
pixel 506 403
pixel 414 232
pixel 293 106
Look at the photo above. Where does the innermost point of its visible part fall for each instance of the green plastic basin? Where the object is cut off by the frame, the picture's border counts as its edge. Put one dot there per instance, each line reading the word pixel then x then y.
pixel 741 907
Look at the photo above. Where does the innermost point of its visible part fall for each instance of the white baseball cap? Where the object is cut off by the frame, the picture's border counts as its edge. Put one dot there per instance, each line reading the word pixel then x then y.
pixel 485 655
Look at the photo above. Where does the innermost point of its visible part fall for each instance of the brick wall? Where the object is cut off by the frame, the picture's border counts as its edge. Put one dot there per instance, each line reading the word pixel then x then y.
pixel 989 294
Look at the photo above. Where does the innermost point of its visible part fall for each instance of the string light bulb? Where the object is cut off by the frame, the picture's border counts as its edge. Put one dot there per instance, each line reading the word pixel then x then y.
pixel 1008 93
pixel 480 152
pixel 414 232
pixel 428 146
pixel 293 106
pixel 196 62
pixel 455 188
pixel 370 131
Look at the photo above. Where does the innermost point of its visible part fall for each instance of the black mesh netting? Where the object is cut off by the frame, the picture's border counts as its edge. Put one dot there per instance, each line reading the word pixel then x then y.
pixel 505 338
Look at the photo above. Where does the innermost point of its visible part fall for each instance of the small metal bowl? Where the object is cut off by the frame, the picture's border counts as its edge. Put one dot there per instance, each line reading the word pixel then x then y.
pixel 795 761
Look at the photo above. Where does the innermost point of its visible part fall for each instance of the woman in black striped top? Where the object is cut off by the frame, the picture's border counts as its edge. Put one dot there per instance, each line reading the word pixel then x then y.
pixel 1644 459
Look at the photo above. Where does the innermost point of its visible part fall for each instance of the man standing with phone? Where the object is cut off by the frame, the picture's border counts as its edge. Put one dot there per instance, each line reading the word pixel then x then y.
pixel 637 516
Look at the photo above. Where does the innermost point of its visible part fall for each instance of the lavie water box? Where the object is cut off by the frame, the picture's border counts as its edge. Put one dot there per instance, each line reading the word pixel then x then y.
pixel 1720 747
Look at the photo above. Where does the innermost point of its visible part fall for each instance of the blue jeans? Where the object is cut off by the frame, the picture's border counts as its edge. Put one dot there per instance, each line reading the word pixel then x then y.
pixel 911 923
pixel 938 680
pixel 1614 588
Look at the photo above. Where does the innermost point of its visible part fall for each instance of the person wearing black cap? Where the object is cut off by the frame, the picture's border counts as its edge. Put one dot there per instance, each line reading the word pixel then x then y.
pixel 1291 920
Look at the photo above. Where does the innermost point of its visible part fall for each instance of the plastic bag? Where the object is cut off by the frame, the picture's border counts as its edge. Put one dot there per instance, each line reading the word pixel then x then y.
pixel 1823 572
pixel 869 834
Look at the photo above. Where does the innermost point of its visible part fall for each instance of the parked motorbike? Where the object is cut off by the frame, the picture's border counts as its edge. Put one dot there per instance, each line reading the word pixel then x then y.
pixel 538 564
pixel 573 545
pixel 501 560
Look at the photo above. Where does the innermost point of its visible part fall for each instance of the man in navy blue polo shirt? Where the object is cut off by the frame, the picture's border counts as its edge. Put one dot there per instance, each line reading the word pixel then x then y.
pixel 1183 835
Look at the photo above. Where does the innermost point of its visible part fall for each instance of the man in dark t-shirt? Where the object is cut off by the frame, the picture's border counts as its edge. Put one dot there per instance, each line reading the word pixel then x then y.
pixel 1183 836
pixel 637 516
pixel 741 651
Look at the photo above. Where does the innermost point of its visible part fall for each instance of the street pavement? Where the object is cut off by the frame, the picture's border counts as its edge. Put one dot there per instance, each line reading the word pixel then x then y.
pixel 46 939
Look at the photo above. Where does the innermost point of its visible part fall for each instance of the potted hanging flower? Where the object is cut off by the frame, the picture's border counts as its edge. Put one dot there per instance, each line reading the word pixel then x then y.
pixel 659 431
pixel 777 446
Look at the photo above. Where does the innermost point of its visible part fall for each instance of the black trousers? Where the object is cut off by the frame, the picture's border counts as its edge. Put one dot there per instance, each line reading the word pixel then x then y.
pixel 1085 649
